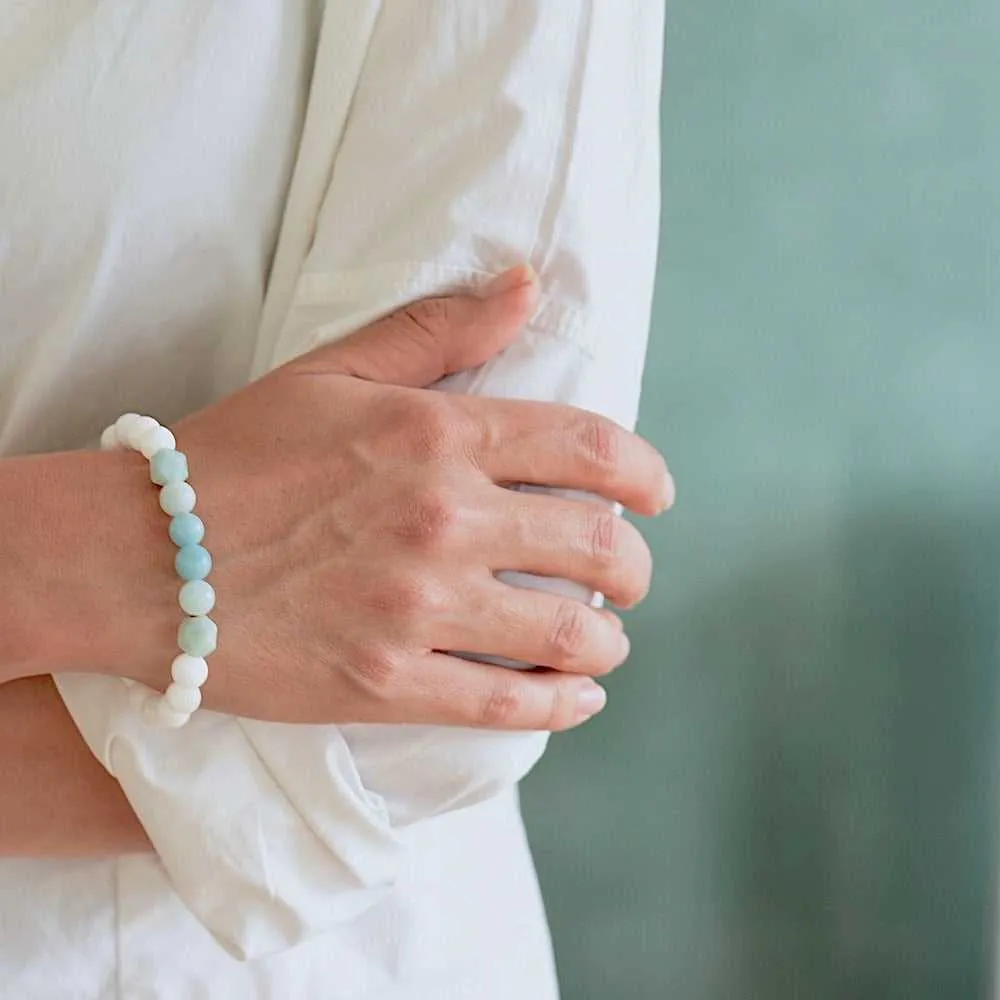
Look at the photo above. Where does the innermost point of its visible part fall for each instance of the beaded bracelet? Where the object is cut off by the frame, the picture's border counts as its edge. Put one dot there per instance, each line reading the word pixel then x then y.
pixel 198 634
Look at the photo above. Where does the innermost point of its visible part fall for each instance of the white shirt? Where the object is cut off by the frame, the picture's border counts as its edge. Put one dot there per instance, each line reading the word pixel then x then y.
pixel 151 156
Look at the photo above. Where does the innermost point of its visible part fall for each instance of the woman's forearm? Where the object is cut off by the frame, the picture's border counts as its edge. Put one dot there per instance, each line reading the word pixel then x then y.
pixel 88 586
pixel 55 798
pixel 85 568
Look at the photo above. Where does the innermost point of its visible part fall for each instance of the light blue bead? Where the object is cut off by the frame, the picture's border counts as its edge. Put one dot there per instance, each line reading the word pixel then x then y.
pixel 197 597
pixel 193 562
pixel 198 636
pixel 186 529
pixel 168 466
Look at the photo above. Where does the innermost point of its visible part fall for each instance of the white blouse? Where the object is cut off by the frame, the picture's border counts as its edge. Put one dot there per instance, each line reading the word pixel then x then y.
pixel 187 199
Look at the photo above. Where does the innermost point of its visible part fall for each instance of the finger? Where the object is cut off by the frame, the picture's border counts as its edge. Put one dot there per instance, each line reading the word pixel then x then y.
pixel 548 444
pixel 584 542
pixel 455 692
pixel 536 627
pixel 423 342
pixel 611 618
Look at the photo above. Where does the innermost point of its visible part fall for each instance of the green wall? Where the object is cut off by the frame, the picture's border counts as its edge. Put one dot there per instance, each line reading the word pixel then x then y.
pixel 793 792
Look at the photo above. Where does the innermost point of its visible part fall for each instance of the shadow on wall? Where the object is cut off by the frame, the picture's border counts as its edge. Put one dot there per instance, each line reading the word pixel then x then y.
pixel 797 802
pixel 862 824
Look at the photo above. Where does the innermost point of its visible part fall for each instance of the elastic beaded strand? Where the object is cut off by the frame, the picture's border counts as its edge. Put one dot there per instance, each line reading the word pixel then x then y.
pixel 197 635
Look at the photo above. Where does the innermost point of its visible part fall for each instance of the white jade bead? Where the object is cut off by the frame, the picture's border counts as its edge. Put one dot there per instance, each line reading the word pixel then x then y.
pixel 136 430
pixel 192 671
pixel 183 698
pixel 109 439
pixel 155 439
pixel 160 713
pixel 177 498
pixel 124 424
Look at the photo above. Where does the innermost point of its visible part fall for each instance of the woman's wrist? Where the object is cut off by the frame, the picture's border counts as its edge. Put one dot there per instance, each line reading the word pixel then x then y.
pixel 86 567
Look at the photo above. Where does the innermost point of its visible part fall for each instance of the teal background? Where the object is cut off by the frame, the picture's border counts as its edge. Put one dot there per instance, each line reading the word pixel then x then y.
pixel 793 792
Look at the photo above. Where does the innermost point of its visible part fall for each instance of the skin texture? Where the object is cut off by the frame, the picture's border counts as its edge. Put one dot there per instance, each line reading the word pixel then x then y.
pixel 56 800
pixel 357 521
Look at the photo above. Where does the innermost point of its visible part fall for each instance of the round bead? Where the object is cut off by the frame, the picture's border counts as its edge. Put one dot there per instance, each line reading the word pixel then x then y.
pixel 197 597
pixel 191 671
pixel 177 498
pixel 123 426
pixel 193 562
pixel 198 636
pixel 183 698
pixel 186 529
pixel 156 439
pixel 159 712
pixel 137 428
pixel 168 466
pixel 109 439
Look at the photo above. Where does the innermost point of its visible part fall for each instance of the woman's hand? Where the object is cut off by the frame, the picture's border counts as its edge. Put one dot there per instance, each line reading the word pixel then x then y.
pixel 357 521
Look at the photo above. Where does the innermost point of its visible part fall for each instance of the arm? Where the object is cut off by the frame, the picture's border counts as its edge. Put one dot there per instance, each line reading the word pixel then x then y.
pixel 479 133
pixel 84 584
pixel 82 587
pixel 527 130
pixel 55 798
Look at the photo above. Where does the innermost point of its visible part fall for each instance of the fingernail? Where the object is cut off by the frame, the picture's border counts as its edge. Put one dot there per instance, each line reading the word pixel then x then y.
pixel 516 277
pixel 669 492
pixel 612 619
pixel 625 647
pixel 591 700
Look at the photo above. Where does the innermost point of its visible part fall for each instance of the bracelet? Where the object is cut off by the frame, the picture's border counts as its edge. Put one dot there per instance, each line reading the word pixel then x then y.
pixel 198 634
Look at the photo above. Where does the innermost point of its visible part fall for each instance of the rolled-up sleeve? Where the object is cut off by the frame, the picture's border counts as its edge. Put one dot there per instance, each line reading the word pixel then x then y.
pixel 480 134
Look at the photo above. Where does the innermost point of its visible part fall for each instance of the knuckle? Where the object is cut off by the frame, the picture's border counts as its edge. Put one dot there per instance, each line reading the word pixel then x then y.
pixel 411 595
pixel 601 443
pixel 569 632
pixel 432 427
pixel 438 517
pixel 377 669
pixel 605 539
pixel 431 521
pixel 502 704
pixel 431 315
pixel 439 430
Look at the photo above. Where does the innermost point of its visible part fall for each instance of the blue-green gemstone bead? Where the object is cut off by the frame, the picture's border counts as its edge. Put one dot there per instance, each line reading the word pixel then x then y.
pixel 168 466
pixel 193 562
pixel 186 529
pixel 196 597
pixel 198 636
pixel 178 498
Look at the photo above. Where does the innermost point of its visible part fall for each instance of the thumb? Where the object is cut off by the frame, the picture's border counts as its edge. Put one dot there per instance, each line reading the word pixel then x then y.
pixel 423 342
